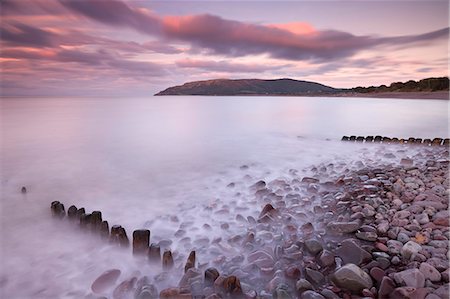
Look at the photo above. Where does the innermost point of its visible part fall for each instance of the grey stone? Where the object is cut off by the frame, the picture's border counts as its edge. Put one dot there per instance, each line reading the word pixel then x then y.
pixel 409 249
pixel 443 291
pixel 311 295
pixel 303 285
pixel 350 252
pixel 343 227
pixel 313 276
pixel 313 246
pixel 367 236
pixel 387 286
pixel 402 237
pixel 430 272
pixel 410 278
pixel 352 277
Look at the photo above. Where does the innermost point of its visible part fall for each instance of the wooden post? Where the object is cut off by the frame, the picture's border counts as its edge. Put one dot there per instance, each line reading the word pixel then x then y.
pixel 72 213
pixel 57 209
pixel 190 261
pixel 167 260
pixel 154 253
pixel 141 240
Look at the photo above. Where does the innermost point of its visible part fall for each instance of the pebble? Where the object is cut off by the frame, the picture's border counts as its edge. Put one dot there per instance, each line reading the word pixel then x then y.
pixel 352 277
pixel 351 252
pixel 311 295
pixel 313 246
pixel 410 278
pixel 105 281
pixel 409 249
pixel 430 272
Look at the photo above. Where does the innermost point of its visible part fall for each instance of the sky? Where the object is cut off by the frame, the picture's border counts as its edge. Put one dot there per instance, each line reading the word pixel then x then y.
pixel 137 48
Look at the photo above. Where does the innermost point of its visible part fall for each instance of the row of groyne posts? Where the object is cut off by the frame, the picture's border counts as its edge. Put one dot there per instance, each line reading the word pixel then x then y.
pixel 411 140
pixel 93 223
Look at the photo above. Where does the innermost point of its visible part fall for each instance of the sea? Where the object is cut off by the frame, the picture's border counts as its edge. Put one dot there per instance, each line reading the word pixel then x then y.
pixel 163 163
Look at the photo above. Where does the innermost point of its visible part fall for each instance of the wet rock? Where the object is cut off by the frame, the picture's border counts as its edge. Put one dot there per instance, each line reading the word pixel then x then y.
pixel 211 275
pixel 313 246
pixel 409 292
pixel 350 252
pixel 310 180
pixel 445 275
pixel 442 218
pixel 329 294
pixel 367 236
pixel 173 293
pixel 326 258
pixel 167 260
pixel 311 295
pixel 352 278
pixel 190 263
pixel 442 291
pixel 430 272
pixel 438 263
pixel 145 290
pixel 268 210
pixel 383 227
pixel 303 285
pixel 406 162
pixel 190 277
pixel 124 289
pixel 402 237
pixel 281 292
pixel 141 239
pixel 387 286
pixel 409 249
pixel 292 272
pixel 307 228
pixel 377 274
pixel 105 281
pixel 232 286
pixel 410 278
pixel 394 246
pixel 343 227
pixel 314 277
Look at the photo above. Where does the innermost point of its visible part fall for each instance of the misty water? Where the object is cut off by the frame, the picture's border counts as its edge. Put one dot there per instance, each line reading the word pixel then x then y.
pixel 144 161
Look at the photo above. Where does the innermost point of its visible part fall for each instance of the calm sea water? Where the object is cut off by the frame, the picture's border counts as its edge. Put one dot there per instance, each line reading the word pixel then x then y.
pixel 137 159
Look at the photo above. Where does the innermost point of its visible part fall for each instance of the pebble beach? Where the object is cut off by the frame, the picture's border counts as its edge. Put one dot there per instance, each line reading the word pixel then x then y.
pixel 375 226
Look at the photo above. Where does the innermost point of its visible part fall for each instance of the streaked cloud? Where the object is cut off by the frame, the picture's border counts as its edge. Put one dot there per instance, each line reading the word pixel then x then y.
pixel 228 67
pixel 98 42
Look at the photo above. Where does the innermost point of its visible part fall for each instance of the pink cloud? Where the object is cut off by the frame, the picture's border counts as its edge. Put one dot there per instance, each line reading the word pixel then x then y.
pixel 228 67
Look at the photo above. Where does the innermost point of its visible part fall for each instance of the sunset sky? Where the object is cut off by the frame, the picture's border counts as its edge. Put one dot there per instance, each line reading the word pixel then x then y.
pixel 136 48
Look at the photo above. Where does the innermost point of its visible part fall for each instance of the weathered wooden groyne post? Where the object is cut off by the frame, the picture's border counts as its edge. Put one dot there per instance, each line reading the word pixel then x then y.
pixel 167 260
pixel 57 209
pixel 119 236
pixel 395 140
pixel 154 253
pixel 141 241
pixel 190 263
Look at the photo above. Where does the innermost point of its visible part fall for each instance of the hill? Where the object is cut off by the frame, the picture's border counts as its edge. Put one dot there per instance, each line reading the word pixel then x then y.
pixel 289 87
pixel 249 87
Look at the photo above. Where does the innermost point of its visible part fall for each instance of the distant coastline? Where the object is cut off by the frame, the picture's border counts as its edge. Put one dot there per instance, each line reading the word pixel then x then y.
pixel 429 88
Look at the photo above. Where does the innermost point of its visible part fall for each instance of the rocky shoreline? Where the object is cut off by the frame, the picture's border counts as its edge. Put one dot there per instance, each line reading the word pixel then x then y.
pixel 372 229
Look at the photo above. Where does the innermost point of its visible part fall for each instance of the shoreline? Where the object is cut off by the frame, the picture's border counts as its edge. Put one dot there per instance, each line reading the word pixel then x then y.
pixel 435 95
